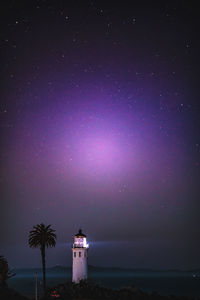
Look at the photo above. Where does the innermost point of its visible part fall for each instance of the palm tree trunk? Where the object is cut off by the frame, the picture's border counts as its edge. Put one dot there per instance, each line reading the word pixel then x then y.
pixel 43 267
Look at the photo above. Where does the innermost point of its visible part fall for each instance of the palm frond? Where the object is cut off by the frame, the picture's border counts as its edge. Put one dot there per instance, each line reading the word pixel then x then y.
pixel 42 236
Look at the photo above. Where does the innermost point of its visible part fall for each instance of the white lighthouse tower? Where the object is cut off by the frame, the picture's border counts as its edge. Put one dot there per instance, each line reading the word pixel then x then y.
pixel 79 257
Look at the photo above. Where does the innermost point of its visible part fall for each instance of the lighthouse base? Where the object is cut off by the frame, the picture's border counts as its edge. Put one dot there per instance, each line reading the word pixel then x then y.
pixel 79 266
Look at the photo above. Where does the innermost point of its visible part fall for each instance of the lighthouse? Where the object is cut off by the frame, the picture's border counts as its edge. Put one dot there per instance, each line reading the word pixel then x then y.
pixel 79 257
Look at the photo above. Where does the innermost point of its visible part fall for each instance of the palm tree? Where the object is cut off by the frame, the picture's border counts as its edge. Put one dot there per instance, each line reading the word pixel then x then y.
pixel 5 273
pixel 42 236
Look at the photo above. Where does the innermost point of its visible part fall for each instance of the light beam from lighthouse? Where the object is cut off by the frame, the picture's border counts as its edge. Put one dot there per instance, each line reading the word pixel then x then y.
pixel 79 257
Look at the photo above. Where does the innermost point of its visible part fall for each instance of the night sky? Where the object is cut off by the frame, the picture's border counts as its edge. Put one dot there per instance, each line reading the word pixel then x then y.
pixel 99 120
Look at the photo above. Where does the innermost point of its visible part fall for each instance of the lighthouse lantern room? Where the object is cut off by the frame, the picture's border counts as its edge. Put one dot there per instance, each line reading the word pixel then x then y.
pixel 79 257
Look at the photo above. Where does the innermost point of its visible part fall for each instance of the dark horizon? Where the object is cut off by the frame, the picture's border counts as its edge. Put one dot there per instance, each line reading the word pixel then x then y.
pixel 96 267
pixel 99 121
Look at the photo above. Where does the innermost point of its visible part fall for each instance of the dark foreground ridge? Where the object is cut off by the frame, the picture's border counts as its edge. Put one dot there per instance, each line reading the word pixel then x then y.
pixel 10 294
pixel 87 290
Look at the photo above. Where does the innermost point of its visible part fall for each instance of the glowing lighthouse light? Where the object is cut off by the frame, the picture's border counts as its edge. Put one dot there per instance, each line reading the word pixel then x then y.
pixel 79 257
pixel 80 242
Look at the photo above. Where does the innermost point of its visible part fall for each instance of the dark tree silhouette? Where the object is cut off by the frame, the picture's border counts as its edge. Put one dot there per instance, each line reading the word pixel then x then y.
pixel 5 273
pixel 41 237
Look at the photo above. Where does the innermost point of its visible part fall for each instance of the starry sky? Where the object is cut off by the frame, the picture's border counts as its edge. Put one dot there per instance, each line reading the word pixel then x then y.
pixel 99 121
